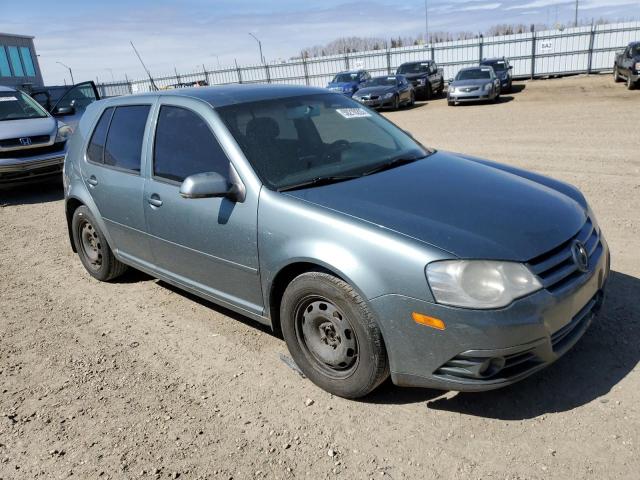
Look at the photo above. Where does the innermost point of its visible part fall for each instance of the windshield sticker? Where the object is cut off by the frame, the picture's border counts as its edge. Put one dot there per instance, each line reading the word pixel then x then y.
pixel 8 99
pixel 353 112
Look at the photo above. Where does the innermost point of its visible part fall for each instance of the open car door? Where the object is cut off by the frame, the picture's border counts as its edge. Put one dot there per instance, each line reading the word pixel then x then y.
pixel 72 104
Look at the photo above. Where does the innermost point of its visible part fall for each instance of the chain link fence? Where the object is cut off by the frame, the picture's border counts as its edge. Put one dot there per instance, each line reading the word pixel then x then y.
pixel 588 49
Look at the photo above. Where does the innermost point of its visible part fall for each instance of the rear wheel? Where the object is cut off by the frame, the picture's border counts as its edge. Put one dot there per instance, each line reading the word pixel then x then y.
pixel 616 75
pixel 332 336
pixel 396 103
pixel 441 87
pixel 92 247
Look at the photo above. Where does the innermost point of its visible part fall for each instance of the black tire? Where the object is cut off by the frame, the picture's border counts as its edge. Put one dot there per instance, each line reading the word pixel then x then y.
pixel 630 84
pixel 616 75
pixel 451 103
pixel 412 102
pixel 92 247
pixel 332 335
pixel 441 87
pixel 396 103
pixel 427 91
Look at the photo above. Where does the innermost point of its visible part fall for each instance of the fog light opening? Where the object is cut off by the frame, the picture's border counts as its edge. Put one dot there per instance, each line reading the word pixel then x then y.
pixel 491 366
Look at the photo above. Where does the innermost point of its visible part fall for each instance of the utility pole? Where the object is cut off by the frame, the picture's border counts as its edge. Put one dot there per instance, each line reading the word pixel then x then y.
pixel 426 21
pixel 70 72
pixel 576 22
pixel 259 47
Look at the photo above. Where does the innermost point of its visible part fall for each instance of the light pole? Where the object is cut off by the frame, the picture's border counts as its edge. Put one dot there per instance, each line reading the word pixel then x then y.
pixel 576 23
pixel 259 46
pixel 426 21
pixel 70 72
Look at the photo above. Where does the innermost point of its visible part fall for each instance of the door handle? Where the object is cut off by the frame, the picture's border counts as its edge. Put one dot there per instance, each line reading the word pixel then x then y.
pixel 92 181
pixel 154 200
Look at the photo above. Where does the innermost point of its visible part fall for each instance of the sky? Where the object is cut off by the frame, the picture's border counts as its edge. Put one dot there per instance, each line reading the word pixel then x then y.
pixel 92 37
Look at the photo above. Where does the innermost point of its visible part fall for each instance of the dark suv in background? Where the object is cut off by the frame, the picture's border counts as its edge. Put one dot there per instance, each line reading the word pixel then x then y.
pixel 425 77
pixel 503 71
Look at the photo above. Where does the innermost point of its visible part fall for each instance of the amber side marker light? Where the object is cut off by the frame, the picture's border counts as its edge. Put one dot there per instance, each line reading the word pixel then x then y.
pixel 428 321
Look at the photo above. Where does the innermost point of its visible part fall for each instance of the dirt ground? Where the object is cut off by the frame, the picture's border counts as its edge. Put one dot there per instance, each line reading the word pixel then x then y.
pixel 138 380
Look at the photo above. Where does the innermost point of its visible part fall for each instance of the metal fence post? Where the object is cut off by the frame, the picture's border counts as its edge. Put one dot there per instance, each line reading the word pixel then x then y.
pixel 533 54
pixel 591 42
pixel 433 54
pixel 129 87
pixel 388 62
pixel 346 61
pixel 306 70
pixel 206 74
pixel 239 72
pixel 480 48
pixel 266 69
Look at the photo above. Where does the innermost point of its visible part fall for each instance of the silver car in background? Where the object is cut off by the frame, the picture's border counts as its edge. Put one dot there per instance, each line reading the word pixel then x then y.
pixel 32 142
pixel 474 84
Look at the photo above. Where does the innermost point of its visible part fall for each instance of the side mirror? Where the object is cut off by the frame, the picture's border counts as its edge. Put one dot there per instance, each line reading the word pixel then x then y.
pixel 60 111
pixel 510 67
pixel 211 185
pixel 450 80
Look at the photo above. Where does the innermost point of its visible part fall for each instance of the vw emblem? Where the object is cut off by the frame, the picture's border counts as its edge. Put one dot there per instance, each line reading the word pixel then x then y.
pixel 580 256
pixel 25 141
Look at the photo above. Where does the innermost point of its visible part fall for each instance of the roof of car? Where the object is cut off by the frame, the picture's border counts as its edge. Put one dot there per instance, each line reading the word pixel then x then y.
pixel 223 95
pixel 494 59
pixel 481 67
pixel 416 62
pixel 7 89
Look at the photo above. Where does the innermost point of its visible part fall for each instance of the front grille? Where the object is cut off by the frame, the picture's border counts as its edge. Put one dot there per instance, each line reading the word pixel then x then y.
pixel 469 89
pixel 16 142
pixel 32 152
pixel 557 269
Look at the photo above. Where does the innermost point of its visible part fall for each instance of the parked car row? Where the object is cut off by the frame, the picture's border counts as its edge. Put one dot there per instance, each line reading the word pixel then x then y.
pixel 421 80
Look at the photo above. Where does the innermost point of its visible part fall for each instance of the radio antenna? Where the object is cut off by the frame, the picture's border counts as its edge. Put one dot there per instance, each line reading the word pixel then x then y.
pixel 153 84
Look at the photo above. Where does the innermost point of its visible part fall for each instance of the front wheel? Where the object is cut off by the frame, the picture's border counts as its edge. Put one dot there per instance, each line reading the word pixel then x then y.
pixel 630 84
pixel 412 102
pixel 92 247
pixel 332 336
pixel 396 103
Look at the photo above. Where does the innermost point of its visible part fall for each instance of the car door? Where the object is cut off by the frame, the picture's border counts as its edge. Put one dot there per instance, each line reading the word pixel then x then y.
pixel 627 62
pixel 112 172
pixel 403 88
pixel 207 244
pixel 74 102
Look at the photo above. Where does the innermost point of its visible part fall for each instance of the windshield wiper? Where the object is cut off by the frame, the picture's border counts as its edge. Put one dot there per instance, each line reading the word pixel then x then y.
pixel 316 182
pixel 394 162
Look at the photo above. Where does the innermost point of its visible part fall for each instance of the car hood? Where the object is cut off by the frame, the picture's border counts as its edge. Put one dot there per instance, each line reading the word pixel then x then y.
pixel 29 127
pixel 342 85
pixel 378 90
pixel 470 83
pixel 414 76
pixel 468 208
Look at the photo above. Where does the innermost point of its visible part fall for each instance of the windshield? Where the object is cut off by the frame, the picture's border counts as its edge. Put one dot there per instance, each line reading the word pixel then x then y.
pixel 381 81
pixel 345 77
pixel 414 68
pixel 499 66
pixel 635 51
pixel 476 74
pixel 296 140
pixel 19 106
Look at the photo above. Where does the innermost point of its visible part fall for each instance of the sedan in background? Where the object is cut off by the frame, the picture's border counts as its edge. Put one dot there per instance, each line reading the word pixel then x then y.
pixel 502 70
pixel 349 83
pixel 474 84
pixel 391 91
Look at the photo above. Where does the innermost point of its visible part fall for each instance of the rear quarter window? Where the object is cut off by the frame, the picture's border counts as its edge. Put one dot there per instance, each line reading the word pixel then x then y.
pixel 95 152
pixel 123 147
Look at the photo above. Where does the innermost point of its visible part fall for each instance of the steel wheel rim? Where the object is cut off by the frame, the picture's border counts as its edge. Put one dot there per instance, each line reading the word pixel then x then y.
pixel 90 245
pixel 326 337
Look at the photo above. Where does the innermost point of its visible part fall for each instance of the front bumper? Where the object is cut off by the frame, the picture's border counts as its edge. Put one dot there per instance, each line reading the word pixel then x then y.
pixel 487 349
pixel 377 103
pixel 23 169
pixel 474 96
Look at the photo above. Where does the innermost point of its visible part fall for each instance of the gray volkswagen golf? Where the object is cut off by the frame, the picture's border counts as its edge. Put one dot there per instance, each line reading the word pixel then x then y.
pixel 372 254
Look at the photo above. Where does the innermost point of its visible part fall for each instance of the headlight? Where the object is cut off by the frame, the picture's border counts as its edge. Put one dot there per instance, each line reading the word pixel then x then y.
pixel 487 87
pixel 480 284
pixel 64 132
pixel 421 81
pixel 346 89
pixel 388 95
pixel 638 67
pixel 452 89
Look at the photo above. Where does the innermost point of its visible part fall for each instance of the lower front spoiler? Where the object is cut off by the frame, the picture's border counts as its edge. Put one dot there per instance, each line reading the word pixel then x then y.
pixel 482 370
pixel 470 98
pixel 23 172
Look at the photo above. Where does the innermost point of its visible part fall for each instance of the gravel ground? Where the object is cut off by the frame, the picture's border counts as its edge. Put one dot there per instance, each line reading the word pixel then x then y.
pixel 138 380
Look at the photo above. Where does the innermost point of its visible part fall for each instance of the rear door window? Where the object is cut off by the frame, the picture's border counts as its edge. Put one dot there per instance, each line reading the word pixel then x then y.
pixel 123 148
pixel 95 152
pixel 184 146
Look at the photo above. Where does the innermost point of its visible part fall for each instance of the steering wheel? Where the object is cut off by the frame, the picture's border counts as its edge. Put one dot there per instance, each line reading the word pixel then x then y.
pixel 335 149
